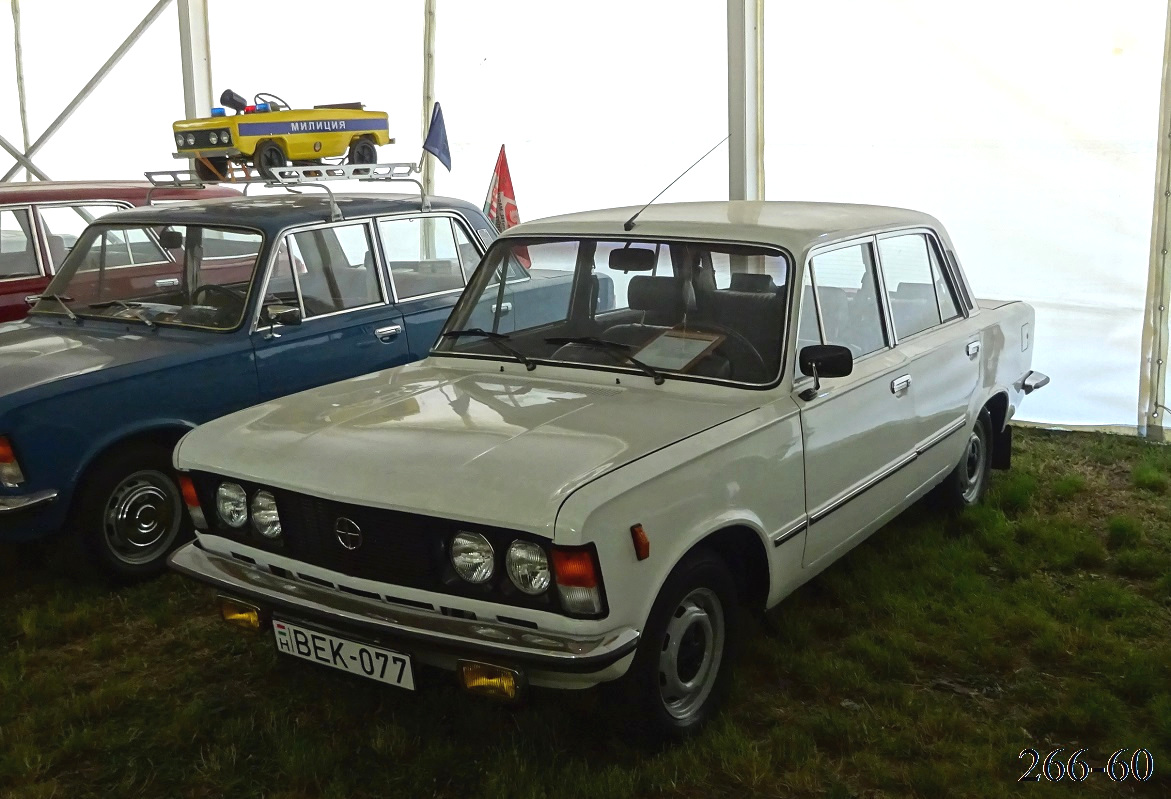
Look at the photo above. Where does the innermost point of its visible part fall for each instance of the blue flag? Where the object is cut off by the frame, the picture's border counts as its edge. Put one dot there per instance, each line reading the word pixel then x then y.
pixel 436 142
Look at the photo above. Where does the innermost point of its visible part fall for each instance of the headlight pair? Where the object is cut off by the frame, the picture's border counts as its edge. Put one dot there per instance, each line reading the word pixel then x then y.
pixel 474 561
pixel 233 508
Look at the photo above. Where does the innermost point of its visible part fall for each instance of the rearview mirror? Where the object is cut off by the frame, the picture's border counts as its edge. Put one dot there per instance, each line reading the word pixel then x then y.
pixel 633 259
pixel 171 239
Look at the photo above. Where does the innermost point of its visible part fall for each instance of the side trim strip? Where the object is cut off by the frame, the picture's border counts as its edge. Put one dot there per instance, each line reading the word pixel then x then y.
pixel 903 462
pixel 799 527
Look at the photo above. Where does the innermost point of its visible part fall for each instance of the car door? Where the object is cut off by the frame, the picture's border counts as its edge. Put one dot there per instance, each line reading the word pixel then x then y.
pixel 941 349
pixel 858 431
pixel 429 258
pixel 333 275
pixel 22 269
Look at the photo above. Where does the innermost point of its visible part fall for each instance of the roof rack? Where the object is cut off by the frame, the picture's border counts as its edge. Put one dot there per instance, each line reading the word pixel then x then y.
pixel 292 178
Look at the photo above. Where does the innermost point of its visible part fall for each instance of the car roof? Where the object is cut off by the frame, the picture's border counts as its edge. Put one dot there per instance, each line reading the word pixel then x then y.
pixel 796 226
pixel 274 212
pixel 132 191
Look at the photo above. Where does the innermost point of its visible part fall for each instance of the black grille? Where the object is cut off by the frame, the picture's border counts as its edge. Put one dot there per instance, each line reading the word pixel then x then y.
pixel 400 548
pixel 203 139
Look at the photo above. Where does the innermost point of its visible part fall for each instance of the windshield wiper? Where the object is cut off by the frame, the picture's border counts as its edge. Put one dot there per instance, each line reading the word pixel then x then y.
pixel 134 309
pixel 63 301
pixel 621 351
pixel 497 340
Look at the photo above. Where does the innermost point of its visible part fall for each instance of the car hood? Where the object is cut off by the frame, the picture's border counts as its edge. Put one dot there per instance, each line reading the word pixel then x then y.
pixel 492 448
pixel 34 354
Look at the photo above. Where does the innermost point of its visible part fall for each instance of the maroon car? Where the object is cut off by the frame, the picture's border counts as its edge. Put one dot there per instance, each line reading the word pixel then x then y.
pixel 39 222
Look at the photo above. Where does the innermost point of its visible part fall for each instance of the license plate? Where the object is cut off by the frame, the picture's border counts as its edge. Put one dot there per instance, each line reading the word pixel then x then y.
pixel 329 650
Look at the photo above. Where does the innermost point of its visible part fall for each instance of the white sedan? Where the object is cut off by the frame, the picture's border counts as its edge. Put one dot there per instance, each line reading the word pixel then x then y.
pixel 570 496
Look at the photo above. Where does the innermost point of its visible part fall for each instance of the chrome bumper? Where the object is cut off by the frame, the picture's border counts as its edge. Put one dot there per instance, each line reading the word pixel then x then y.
pixel 26 502
pixel 1033 381
pixel 210 152
pixel 547 651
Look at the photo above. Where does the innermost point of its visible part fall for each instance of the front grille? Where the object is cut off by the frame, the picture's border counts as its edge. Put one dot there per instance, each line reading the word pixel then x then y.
pixel 400 548
pixel 203 139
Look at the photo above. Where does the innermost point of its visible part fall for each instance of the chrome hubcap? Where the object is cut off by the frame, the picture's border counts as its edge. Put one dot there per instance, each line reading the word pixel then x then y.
pixel 692 649
pixel 142 517
pixel 974 466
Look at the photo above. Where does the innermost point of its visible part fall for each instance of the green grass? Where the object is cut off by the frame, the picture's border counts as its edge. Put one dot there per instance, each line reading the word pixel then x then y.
pixel 918 666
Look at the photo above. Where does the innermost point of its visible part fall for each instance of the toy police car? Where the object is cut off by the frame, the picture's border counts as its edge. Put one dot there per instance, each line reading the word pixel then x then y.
pixel 269 133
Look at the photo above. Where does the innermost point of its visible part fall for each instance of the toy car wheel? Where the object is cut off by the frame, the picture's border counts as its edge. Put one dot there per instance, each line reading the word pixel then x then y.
pixel 129 514
pixel 215 168
pixel 362 151
pixel 682 669
pixel 269 156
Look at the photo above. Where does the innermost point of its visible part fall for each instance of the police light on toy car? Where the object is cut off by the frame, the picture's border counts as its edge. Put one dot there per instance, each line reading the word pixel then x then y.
pixel 528 567
pixel 231 504
pixel 473 557
pixel 10 474
pixel 265 517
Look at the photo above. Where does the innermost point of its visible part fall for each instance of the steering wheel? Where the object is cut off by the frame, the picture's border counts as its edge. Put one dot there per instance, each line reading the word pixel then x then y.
pixel 279 102
pixel 234 296
pixel 734 336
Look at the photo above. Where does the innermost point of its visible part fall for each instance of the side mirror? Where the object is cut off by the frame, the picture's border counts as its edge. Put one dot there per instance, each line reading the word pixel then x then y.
pixel 824 360
pixel 279 314
pixel 170 239
pixel 286 316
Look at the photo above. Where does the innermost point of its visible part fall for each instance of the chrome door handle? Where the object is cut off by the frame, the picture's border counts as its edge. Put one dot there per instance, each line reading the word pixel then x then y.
pixel 32 300
pixel 973 349
pixel 388 333
pixel 503 309
pixel 900 385
pixel 166 282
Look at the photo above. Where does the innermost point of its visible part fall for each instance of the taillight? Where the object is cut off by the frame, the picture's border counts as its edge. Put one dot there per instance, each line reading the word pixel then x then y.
pixel 579 581
pixel 191 500
pixel 10 474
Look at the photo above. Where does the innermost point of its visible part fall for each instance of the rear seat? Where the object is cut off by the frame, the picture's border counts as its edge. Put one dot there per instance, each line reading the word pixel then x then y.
pixel 21 263
pixel 415 278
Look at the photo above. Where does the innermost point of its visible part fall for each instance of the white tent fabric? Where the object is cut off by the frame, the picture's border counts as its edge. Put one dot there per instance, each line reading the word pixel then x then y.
pixel 1028 128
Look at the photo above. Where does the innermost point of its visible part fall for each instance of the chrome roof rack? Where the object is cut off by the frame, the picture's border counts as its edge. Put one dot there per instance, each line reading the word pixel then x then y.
pixel 291 178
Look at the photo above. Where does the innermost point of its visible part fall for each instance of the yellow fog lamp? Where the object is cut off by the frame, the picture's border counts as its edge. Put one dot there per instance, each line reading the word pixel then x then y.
pixel 488 680
pixel 241 614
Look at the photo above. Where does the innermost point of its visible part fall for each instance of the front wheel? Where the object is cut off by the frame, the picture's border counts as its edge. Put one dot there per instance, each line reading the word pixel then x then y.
pixel 967 482
pixel 682 669
pixel 129 515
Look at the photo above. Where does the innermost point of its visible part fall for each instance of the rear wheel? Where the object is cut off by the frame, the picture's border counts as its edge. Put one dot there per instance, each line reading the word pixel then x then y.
pixel 682 668
pixel 968 481
pixel 362 151
pixel 129 514
pixel 269 156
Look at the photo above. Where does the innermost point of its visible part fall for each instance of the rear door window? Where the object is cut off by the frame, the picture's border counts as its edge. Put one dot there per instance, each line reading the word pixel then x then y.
pixel 423 255
pixel 18 256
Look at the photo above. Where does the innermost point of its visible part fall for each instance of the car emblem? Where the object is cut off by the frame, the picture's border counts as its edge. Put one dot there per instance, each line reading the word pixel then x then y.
pixel 349 534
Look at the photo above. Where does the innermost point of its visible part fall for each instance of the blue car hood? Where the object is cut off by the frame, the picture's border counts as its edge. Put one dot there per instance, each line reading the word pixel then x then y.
pixel 33 354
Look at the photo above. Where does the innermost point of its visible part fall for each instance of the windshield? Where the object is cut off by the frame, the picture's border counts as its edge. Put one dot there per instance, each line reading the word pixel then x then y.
pixel 664 308
pixel 179 275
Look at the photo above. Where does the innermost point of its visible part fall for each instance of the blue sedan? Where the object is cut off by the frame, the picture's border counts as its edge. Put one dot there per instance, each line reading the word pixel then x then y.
pixel 163 318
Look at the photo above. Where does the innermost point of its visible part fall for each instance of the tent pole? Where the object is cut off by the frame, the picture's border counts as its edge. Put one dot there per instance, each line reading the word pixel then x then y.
pixel 428 89
pixel 151 16
pixel 195 50
pixel 746 99
pixel 20 78
pixel 1153 401
pixel 21 160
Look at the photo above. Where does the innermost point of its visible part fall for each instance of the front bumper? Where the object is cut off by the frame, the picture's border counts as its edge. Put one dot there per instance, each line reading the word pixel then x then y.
pixel 16 504
pixel 209 152
pixel 446 638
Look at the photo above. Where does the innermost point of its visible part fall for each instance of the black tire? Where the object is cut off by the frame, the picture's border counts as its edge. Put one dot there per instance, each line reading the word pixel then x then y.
pixel 218 164
pixel 682 669
pixel 129 514
pixel 967 482
pixel 362 151
pixel 269 156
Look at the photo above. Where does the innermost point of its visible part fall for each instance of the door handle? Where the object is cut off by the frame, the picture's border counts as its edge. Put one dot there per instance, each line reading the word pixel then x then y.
pixel 973 349
pixel 388 333
pixel 503 309
pixel 32 300
pixel 900 385
pixel 166 282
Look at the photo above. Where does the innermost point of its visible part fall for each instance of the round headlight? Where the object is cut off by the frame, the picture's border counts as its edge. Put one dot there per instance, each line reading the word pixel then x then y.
pixel 472 557
pixel 232 504
pixel 265 518
pixel 225 137
pixel 527 567
pixel 213 138
pixel 190 139
pixel 179 139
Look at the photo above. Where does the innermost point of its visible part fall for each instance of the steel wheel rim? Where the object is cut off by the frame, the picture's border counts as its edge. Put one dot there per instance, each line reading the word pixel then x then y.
pixel 974 456
pixel 693 647
pixel 142 517
pixel 271 157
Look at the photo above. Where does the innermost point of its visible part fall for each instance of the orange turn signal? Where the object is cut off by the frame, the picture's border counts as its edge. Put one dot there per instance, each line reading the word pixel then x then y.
pixel 575 568
pixel 642 544
pixel 188 489
pixel 6 453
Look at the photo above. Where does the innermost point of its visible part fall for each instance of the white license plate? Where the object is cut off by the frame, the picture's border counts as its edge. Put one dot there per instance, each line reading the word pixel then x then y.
pixel 328 650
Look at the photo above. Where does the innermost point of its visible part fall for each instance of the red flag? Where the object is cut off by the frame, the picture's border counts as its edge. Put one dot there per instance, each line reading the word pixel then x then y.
pixel 500 204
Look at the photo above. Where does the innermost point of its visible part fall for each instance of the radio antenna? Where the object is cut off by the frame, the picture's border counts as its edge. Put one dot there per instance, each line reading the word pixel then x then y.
pixel 630 222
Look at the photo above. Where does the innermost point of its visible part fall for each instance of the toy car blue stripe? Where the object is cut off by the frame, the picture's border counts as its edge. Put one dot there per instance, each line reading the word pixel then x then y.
pixel 312 126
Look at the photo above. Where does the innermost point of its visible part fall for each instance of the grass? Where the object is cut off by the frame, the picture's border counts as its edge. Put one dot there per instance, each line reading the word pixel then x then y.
pixel 918 666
